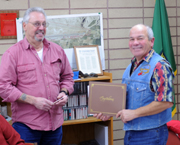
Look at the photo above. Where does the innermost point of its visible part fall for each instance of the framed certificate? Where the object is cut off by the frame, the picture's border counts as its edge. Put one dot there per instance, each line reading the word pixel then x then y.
pixel 88 59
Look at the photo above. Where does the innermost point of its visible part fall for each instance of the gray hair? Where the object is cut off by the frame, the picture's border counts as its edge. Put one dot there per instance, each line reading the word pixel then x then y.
pixel 30 10
pixel 149 31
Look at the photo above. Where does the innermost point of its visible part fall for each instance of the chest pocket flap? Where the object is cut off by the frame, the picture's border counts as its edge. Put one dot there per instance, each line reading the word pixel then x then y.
pixel 26 67
pixel 27 74
pixel 140 87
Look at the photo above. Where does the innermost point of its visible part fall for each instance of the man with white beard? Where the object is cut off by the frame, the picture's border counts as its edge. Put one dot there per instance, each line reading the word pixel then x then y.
pixel 34 73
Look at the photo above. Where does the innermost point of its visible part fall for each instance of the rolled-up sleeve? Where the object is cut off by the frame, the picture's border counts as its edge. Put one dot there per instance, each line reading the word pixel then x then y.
pixel 66 76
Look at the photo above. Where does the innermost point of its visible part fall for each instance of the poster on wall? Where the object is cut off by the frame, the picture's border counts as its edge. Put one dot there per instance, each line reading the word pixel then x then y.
pixel 8 24
pixel 73 30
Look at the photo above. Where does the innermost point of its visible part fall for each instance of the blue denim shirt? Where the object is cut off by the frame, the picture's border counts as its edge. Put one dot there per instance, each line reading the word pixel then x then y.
pixel 139 94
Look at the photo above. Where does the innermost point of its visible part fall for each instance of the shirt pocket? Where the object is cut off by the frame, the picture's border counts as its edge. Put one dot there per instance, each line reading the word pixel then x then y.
pixel 140 92
pixel 27 74
pixel 56 67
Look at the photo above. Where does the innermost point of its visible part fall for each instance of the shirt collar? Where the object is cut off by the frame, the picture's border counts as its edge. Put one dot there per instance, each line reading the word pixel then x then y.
pixel 146 58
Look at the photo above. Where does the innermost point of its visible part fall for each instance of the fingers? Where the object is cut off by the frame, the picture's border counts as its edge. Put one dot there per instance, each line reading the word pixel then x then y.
pixel 97 115
pixel 61 100
pixel 105 118
pixel 122 119
pixel 61 95
pixel 101 116
pixel 118 114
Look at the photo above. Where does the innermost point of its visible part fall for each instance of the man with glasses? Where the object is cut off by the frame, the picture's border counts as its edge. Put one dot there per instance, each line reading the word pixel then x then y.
pixel 34 74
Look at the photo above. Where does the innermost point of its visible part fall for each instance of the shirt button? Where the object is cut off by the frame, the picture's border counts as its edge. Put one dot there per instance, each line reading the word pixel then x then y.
pixel 47 86
pixel 45 75
pixel 137 88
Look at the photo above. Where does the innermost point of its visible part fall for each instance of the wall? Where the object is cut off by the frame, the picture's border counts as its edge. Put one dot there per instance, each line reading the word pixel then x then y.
pixel 118 17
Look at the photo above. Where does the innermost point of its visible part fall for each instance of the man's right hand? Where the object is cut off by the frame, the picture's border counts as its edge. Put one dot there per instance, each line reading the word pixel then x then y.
pixel 38 102
pixel 43 104
pixel 102 117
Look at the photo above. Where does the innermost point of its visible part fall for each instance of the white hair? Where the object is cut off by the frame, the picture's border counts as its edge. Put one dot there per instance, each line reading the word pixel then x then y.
pixel 149 31
pixel 30 10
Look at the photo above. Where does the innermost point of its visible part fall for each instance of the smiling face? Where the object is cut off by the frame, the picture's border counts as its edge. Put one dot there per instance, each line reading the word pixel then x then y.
pixel 35 34
pixel 139 44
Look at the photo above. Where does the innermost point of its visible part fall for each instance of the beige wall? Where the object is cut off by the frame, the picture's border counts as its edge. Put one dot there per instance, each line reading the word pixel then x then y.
pixel 118 17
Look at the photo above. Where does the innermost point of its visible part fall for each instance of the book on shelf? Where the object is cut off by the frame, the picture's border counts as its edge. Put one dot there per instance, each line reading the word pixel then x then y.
pixel 101 134
pixel 75 113
pixel 76 107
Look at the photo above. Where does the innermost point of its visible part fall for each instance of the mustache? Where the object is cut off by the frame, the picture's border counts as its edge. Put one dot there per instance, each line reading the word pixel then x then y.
pixel 40 31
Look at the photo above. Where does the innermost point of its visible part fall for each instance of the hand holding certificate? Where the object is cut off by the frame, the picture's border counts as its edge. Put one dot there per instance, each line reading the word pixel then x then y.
pixel 106 98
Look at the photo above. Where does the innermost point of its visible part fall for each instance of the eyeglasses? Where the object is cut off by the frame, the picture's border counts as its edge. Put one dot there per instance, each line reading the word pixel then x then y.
pixel 38 24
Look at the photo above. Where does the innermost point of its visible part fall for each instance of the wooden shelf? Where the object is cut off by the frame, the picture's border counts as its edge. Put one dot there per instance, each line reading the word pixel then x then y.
pixel 83 130
pixel 81 121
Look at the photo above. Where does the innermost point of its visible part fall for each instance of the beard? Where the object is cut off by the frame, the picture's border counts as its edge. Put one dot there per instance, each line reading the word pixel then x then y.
pixel 39 39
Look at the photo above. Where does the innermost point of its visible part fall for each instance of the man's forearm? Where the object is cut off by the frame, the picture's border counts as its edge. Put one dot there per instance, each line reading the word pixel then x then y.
pixel 153 108
pixel 26 99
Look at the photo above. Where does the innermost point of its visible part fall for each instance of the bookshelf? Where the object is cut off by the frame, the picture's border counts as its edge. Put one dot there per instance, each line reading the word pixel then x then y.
pixel 76 131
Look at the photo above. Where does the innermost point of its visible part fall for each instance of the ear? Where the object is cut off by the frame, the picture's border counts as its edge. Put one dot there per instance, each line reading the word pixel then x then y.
pixel 24 26
pixel 152 42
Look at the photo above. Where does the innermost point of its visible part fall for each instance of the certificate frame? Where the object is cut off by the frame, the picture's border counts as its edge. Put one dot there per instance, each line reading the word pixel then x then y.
pixel 88 59
pixel 103 94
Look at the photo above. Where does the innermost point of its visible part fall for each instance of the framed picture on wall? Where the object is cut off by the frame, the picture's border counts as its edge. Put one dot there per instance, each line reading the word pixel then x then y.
pixel 88 59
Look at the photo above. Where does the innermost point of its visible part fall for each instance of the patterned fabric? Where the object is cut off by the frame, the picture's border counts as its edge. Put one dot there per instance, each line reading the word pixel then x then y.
pixel 162 79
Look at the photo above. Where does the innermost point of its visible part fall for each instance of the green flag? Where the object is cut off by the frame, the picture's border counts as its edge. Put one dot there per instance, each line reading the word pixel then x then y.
pixel 163 43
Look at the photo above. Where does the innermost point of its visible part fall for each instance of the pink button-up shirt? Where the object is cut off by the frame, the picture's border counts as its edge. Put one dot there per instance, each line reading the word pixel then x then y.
pixel 22 71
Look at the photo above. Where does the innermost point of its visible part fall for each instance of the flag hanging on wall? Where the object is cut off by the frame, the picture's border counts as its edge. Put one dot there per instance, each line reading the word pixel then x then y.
pixel 163 43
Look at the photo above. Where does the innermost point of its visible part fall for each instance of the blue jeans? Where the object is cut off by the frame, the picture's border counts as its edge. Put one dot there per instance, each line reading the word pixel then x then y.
pixel 40 137
pixel 155 136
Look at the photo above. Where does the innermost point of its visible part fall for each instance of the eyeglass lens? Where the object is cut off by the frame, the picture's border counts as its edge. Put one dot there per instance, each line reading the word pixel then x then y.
pixel 38 24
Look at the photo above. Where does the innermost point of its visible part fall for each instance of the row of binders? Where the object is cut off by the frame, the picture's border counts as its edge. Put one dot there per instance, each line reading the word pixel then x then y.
pixel 76 100
pixel 75 113
pixel 80 88
pixel 76 107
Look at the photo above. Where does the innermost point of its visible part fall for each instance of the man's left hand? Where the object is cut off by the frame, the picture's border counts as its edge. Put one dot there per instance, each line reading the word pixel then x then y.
pixel 62 99
pixel 126 115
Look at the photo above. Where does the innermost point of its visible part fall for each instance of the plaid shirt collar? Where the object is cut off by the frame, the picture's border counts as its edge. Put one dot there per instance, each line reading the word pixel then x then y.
pixel 146 58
